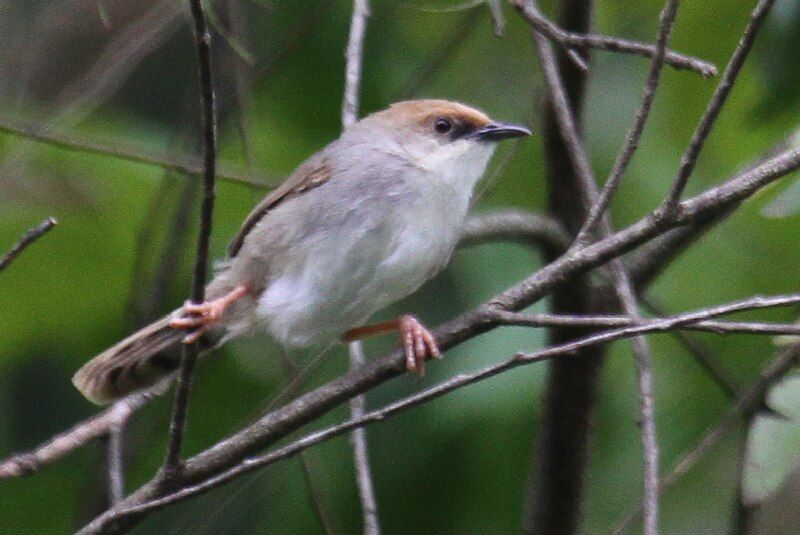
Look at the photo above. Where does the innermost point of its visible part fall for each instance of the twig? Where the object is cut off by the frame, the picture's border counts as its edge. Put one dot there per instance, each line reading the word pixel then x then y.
pixel 702 354
pixel 622 283
pixel 358 440
pixel 27 239
pixel 315 497
pixel 173 462
pixel 723 89
pixel 60 445
pixel 354 57
pixel 515 225
pixel 634 135
pixel 115 462
pixel 602 42
pixel 182 164
pixel 748 402
pixel 458 381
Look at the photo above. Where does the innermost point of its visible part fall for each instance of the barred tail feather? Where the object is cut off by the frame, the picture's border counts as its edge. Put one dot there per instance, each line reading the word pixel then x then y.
pixel 138 361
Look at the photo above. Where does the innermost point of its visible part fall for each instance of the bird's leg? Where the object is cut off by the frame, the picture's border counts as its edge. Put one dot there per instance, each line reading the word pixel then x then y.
pixel 201 317
pixel 418 342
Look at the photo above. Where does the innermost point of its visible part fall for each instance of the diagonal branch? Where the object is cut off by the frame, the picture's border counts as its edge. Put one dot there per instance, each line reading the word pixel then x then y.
pixel 560 351
pixel 27 239
pixel 603 42
pixel 718 100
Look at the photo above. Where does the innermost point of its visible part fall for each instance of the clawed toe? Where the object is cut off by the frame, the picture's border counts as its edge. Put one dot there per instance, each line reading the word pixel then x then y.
pixel 418 344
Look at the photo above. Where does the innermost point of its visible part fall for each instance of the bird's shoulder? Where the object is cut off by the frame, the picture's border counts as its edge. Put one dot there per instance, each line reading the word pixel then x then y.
pixel 310 174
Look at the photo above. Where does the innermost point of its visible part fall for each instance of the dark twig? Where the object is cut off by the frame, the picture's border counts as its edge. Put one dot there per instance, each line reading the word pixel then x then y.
pixel 622 283
pixel 721 93
pixel 27 239
pixel 750 401
pixel 634 135
pixel 454 383
pixel 173 461
pixel 602 42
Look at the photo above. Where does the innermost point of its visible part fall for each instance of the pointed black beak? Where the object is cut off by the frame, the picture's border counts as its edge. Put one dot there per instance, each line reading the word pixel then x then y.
pixel 500 131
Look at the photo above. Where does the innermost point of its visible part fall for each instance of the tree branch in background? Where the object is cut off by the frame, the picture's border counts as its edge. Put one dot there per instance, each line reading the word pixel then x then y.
pixel 750 401
pixel 27 239
pixel 173 461
pixel 718 100
pixel 569 39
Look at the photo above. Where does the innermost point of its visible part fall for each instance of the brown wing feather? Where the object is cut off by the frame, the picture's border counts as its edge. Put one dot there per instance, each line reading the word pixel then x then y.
pixel 312 173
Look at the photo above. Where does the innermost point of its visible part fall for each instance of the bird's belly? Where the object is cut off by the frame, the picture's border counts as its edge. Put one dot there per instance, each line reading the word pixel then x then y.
pixel 333 288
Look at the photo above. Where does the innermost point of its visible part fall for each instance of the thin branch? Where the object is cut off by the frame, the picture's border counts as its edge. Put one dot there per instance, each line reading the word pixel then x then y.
pixel 173 462
pixel 748 402
pixel 358 440
pixel 718 100
pixel 515 225
pixel 27 239
pixel 115 465
pixel 454 383
pixel 189 165
pixel 634 135
pixel 622 283
pixel 60 445
pixel 354 57
pixel 602 42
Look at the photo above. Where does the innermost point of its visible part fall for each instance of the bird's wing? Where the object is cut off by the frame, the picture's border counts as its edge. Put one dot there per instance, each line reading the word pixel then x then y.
pixel 312 173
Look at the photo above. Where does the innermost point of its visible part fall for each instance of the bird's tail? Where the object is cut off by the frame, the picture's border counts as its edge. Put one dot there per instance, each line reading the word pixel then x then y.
pixel 138 361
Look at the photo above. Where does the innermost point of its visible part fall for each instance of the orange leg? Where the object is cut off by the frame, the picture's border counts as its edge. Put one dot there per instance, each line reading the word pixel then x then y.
pixel 418 342
pixel 201 317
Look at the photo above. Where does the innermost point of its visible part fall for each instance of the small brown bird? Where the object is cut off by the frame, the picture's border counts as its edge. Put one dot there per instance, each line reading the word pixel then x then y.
pixel 358 226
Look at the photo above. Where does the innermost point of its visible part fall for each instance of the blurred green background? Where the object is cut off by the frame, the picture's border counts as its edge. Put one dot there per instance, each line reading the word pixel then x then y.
pixel 123 73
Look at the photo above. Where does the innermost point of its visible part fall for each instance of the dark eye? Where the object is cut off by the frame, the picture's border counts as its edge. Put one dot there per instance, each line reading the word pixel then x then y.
pixel 442 125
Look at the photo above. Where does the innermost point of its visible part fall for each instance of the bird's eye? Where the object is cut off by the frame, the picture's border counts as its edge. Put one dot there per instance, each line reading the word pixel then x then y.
pixel 442 125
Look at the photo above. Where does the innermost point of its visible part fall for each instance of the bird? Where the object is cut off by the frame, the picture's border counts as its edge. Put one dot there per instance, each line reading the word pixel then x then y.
pixel 359 225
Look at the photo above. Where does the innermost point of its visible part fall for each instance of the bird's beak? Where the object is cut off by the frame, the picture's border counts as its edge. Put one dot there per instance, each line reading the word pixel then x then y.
pixel 500 131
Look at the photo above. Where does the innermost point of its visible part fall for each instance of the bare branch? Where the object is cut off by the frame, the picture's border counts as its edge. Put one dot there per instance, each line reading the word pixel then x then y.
pixel 749 401
pixel 515 225
pixel 79 435
pixel 454 383
pixel 602 42
pixel 354 56
pixel 634 135
pixel 69 141
pixel 173 462
pixel 720 97
pixel 358 439
pixel 114 462
pixel 27 239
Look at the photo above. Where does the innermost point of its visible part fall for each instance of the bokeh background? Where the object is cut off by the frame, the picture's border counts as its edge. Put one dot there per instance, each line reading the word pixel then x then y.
pixel 122 74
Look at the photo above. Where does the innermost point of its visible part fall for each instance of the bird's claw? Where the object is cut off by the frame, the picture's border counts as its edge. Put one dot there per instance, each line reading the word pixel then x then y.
pixel 418 344
pixel 198 318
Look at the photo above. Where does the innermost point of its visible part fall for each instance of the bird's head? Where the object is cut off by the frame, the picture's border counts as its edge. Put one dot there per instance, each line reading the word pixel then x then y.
pixel 449 139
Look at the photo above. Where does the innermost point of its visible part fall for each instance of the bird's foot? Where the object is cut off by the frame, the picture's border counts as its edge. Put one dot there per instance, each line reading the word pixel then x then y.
pixel 418 344
pixel 200 318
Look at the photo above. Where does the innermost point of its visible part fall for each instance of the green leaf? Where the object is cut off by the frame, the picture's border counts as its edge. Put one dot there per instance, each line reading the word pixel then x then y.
pixel 773 444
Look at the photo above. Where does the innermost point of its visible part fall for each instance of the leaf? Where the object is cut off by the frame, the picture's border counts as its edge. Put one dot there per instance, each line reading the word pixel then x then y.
pixel 773 444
